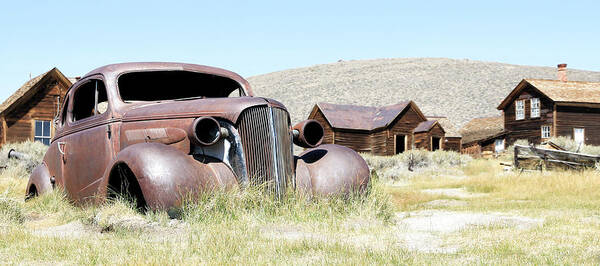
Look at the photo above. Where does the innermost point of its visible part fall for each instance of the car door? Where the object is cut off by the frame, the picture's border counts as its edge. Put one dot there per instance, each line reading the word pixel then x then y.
pixel 86 148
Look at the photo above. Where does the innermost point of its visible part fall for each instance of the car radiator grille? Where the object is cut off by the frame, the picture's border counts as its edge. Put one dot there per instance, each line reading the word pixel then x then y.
pixel 267 142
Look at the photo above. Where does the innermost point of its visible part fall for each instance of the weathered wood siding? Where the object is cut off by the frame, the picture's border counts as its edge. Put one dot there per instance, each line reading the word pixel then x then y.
pixel 383 140
pixel 20 122
pixel 453 144
pixel 423 139
pixel 473 149
pixel 569 117
pixel 378 142
pixel 356 140
pixel 488 145
pixel 527 128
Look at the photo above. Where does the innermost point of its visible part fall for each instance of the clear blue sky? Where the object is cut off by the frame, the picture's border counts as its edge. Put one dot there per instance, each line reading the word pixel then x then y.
pixel 256 37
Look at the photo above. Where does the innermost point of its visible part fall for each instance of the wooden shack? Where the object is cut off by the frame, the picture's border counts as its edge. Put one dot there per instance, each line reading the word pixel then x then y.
pixel 452 137
pixel 538 109
pixel 429 135
pixel 28 113
pixel 483 135
pixel 384 130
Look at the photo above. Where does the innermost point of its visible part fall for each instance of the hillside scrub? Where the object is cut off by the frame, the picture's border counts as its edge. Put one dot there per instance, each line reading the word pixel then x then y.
pixel 439 86
pixel 21 168
pixel 570 145
pixel 401 165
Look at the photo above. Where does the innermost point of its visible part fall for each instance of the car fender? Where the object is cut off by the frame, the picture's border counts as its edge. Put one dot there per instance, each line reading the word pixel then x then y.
pixel 40 179
pixel 331 169
pixel 166 174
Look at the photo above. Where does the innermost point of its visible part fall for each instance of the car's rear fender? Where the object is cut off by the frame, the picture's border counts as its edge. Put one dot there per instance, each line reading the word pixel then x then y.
pixel 39 181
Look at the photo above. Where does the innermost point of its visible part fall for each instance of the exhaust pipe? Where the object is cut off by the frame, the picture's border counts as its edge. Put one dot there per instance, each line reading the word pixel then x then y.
pixel 308 133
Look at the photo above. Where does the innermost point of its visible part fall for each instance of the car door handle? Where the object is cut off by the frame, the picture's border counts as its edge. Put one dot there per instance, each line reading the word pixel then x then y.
pixel 61 145
pixel 61 148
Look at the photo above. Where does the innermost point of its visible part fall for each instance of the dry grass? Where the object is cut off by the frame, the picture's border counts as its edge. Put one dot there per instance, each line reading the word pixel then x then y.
pixel 248 227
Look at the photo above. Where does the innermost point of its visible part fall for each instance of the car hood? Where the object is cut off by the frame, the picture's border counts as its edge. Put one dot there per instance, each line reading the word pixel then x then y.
pixel 227 108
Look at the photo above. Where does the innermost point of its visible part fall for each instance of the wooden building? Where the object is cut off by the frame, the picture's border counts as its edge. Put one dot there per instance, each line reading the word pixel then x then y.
pixel 429 135
pixel 539 109
pixel 483 135
pixel 452 138
pixel 28 114
pixel 384 130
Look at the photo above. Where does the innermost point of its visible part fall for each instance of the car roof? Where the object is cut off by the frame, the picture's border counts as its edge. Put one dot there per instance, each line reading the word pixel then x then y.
pixel 114 70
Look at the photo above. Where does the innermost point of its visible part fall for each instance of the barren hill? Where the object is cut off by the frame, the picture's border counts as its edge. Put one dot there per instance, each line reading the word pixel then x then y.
pixel 459 89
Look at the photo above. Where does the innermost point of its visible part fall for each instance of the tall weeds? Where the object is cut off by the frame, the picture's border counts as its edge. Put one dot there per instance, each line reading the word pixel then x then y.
pixel 253 202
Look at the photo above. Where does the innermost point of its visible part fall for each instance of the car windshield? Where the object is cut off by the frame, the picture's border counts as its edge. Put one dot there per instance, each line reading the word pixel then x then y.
pixel 175 85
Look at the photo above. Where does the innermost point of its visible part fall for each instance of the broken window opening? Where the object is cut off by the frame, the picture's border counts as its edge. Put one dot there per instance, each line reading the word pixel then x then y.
pixel 89 100
pixel 175 85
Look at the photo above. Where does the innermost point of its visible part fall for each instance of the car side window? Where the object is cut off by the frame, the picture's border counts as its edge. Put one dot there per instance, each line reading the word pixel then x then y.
pixel 63 114
pixel 89 99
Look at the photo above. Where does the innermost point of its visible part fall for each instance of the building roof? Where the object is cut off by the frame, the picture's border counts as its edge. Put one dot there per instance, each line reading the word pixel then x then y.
pixel 425 126
pixel 559 91
pixel 31 87
pixel 482 128
pixel 447 125
pixel 363 117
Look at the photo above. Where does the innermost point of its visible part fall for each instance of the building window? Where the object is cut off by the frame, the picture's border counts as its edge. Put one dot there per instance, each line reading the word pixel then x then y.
pixel 42 132
pixel 499 145
pixel 520 109
pixel 545 132
pixel 535 107
pixel 579 135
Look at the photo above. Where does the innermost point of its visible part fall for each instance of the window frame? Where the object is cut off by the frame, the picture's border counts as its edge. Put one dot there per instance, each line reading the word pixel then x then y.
pixel 70 116
pixel 537 108
pixel 64 112
pixel 517 109
pixel 582 135
pixel 42 136
pixel 503 145
pixel 549 131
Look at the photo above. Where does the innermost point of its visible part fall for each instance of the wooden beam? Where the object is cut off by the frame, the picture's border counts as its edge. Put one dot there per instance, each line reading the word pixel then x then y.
pixel 4 128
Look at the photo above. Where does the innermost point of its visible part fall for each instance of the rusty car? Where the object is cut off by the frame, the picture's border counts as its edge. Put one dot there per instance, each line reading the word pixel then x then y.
pixel 161 131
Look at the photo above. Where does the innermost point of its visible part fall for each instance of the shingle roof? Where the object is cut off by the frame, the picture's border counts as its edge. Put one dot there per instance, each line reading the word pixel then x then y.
pixel 425 126
pixel 362 117
pixel 447 125
pixel 560 91
pixel 27 87
pixel 482 128
pixel 570 91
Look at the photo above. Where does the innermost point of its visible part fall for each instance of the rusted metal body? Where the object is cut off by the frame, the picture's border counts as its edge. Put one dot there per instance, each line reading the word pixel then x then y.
pixel 161 144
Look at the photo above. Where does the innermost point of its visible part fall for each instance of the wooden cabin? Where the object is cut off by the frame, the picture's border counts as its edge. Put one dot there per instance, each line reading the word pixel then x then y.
pixel 452 137
pixel 483 135
pixel 384 130
pixel 429 135
pixel 538 109
pixel 28 114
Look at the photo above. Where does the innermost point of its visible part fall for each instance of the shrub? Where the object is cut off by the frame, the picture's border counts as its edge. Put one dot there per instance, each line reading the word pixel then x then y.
pixel 416 159
pixel 401 165
pixel 22 168
pixel 570 145
pixel 11 211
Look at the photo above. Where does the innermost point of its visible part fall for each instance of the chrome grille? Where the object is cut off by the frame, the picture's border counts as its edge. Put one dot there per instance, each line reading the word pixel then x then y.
pixel 267 143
